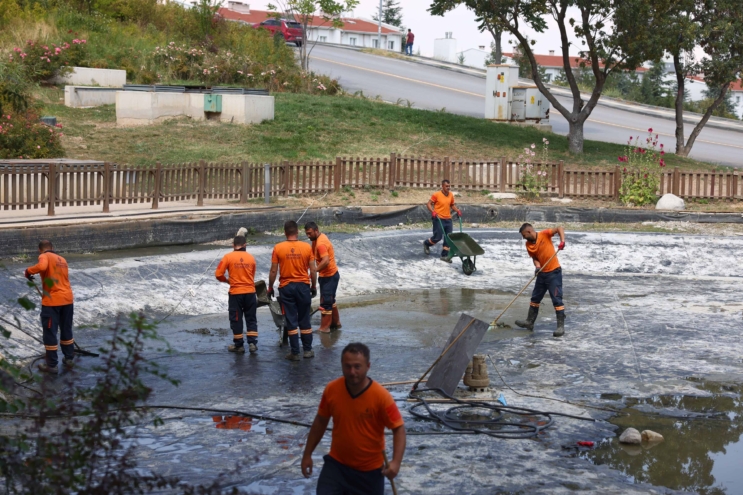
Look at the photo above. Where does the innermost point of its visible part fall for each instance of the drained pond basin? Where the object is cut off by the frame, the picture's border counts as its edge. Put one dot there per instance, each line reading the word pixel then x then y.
pixel 652 342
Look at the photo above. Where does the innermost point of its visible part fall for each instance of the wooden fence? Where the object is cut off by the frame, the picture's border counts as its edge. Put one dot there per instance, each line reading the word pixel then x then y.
pixel 33 184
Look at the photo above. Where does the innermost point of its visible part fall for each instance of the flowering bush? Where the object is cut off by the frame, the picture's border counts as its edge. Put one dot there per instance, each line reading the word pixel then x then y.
pixel 41 61
pixel 640 174
pixel 533 180
pixel 22 135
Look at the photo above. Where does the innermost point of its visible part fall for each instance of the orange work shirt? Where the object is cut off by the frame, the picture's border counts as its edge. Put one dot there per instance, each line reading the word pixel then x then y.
pixel 543 249
pixel 294 259
pixel 323 247
pixel 55 279
pixel 358 423
pixel 240 265
pixel 442 204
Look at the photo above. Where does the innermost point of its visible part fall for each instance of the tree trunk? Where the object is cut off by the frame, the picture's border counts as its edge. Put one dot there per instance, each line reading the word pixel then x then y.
pixel 700 125
pixel 498 34
pixel 575 136
pixel 679 104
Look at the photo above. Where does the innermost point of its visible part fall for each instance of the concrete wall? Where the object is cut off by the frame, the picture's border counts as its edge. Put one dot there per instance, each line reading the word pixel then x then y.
pixel 86 76
pixel 474 57
pixel 143 108
pixel 86 96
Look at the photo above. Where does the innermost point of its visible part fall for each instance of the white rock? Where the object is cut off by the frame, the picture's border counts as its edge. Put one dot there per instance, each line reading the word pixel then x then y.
pixel 400 224
pixel 561 200
pixel 651 436
pixel 455 193
pixel 670 202
pixel 474 225
pixel 502 196
pixel 630 436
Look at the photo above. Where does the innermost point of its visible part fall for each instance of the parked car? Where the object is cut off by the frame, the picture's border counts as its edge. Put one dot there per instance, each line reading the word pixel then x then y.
pixel 291 30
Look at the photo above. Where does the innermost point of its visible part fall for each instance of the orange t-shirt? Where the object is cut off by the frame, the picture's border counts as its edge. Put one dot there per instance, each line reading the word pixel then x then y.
pixel 240 265
pixel 543 249
pixel 358 423
pixel 55 282
pixel 322 247
pixel 294 259
pixel 442 204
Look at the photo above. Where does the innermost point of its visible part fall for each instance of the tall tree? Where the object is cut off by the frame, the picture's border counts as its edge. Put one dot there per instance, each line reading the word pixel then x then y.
pixel 391 13
pixel 602 51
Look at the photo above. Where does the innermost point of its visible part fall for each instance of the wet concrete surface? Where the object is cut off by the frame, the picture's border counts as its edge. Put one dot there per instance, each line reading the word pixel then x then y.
pixel 645 313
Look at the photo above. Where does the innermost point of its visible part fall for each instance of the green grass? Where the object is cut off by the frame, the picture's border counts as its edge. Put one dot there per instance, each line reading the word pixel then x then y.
pixel 310 127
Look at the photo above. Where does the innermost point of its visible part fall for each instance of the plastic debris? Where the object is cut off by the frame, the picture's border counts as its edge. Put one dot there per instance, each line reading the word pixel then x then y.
pixel 584 443
pixel 502 399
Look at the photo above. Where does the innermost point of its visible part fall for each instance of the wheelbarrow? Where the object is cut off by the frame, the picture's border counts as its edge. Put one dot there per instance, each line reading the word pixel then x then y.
pixel 276 310
pixel 463 246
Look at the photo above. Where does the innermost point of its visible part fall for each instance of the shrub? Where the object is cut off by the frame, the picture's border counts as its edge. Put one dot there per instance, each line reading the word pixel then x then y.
pixel 641 174
pixel 22 135
pixel 533 180
pixel 41 62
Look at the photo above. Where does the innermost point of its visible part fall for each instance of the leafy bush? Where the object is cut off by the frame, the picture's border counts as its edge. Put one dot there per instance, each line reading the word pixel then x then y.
pixel 533 180
pixel 22 135
pixel 641 174
pixel 42 61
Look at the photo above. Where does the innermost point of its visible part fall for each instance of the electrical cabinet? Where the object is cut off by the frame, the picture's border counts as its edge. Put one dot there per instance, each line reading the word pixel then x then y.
pixel 507 100
pixel 212 103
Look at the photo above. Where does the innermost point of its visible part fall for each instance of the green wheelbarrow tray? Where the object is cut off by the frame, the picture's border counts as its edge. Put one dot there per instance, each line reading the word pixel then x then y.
pixel 464 247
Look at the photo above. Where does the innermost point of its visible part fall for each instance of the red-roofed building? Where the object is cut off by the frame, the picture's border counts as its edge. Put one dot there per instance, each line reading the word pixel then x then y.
pixel 553 65
pixel 355 31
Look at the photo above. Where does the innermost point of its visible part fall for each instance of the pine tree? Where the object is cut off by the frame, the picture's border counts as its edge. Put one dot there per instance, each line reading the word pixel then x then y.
pixel 391 13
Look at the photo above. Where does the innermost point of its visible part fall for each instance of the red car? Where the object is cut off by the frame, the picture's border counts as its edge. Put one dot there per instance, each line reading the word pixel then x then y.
pixel 291 30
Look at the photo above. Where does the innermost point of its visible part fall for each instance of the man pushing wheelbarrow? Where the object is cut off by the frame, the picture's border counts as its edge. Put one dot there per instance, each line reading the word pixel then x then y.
pixel 441 205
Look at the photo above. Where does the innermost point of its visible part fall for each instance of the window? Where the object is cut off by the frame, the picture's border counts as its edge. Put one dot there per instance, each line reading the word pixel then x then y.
pixel 323 39
pixel 293 25
pixel 391 45
pixel 737 99
pixel 375 43
pixel 352 41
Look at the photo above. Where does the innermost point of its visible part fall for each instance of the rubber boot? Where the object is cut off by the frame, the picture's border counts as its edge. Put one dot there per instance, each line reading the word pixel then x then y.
pixel 560 330
pixel 530 319
pixel 327 320
pixel 336 323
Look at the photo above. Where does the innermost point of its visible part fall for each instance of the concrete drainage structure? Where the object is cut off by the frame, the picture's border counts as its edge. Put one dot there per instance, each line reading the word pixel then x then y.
pixel 88 76
pixel 476 375
pixel 150 105
pixel 89 96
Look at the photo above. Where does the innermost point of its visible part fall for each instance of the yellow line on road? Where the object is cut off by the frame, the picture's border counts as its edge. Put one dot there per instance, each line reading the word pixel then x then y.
pixel 483 96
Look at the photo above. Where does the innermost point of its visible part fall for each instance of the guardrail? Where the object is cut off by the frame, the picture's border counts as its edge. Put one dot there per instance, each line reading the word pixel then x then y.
pixel 32 184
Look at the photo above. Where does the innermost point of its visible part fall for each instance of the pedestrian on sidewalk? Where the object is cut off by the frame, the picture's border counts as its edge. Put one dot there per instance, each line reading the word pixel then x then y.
pixel 361 409
pixel 409 39
pixel 440 205
pixel 242 302
pixel 549 274
pixel 56 306
pixel 297 287
pixel 328 276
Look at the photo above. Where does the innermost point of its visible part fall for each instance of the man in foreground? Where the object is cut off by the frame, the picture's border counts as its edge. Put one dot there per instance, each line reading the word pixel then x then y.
pixel 297 287
pixel 328 276
pixel 361 409
pixel 549 274
pixel 56 306
pixel 440 205
pixel 242 302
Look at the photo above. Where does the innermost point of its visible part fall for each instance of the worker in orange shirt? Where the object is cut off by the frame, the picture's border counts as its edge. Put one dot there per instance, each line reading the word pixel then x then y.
pixel 549 274
pixel 242 302
pixel 361 409
pixel 56 306
pixel 297 287
pixel 328 276
pixel 440 205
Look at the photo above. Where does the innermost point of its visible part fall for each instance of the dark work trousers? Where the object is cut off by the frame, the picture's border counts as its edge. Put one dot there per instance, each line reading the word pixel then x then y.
pixel 438 234
pixel 552 282
pixel 339 479
pixel 53 318
pixel 296 300
pixel 242 306
pixel 328 288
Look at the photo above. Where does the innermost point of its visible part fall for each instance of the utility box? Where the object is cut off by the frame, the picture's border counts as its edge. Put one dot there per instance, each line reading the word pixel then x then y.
pixel 213 103
pixel 537 106
pixel 518 104
pixel 500 79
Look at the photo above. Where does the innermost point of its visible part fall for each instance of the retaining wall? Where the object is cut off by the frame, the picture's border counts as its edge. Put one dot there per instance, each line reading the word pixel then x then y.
pixel 87 76
pixel 88 96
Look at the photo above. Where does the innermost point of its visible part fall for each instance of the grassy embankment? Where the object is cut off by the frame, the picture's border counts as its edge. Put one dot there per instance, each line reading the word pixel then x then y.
pixel 308 127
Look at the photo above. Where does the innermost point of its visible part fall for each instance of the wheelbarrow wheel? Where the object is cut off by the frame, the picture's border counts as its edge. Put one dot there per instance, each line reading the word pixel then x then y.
pixel 468 266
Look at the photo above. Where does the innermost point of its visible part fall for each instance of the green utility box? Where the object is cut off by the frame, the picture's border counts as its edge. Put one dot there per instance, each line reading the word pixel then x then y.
pixel 213 103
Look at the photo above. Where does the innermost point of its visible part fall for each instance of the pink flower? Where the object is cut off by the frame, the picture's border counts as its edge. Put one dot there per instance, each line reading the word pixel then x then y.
pixel 38 147
pixel 661 145
pixel 662 152
pixel 533 146
pixel 662 163
pixel 650 130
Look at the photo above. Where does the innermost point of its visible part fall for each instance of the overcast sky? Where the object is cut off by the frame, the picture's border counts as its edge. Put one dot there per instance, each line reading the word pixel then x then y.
pixel 460 21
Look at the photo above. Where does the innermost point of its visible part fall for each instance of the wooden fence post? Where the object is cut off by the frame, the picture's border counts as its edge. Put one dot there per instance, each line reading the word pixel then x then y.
pixel 52 189
pixel 561 179
pixel 393 170
pixel 676 184
pixel 287 178
pixel 106 187
pixel 158 186
pixel 244 183
pixel 503 175
pixel 617 182
pixel 447 171
pixel 337 174
pixel 734 192
pixel 202 183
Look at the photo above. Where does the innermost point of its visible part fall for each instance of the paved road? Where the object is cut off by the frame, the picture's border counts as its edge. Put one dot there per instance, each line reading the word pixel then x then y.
pixel 434 88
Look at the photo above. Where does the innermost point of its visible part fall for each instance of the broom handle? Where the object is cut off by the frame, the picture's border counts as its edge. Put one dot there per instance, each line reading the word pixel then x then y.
pixel 386 464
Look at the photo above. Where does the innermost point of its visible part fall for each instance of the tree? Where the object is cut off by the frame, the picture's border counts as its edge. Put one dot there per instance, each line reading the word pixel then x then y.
pixel 305 12
pixel 496 54
pixel 603 51
pixel 391 13
pixel 653 89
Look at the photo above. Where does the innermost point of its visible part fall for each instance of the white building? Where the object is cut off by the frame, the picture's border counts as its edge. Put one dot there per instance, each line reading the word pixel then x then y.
pixel 445 48
pixel 475 57
pixel 736 89
pixel 355 31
